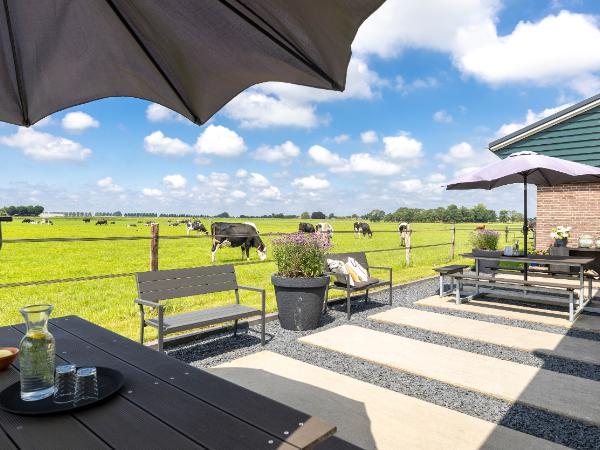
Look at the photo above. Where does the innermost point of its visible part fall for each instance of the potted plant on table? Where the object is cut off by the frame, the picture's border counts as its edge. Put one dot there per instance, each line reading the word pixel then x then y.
pixel 300 286
pixel 485 243
pixel 560 235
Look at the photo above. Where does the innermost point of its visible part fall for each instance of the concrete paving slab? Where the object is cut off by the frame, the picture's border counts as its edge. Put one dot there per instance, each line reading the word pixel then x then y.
pixel 558 393
pixel 366 415
pixel 514 337
pixel 495 308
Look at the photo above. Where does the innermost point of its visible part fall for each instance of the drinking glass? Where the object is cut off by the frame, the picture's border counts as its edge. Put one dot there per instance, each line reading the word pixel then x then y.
pixel 86 385
pixel 65 379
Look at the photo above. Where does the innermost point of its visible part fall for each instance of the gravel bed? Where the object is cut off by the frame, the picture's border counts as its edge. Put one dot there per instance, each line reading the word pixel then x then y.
pixel 223 348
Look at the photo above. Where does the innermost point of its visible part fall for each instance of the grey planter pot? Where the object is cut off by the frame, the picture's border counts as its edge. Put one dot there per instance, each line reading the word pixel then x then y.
pixel 300 301
pixel 560 242
pixel 485 265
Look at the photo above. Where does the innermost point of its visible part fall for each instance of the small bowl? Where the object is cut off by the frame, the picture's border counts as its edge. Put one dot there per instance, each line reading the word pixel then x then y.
pixel 7 360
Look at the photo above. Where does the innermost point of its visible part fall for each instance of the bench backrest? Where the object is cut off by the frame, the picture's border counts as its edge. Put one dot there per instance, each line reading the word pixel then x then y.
pixel 167 284
pixel 360 257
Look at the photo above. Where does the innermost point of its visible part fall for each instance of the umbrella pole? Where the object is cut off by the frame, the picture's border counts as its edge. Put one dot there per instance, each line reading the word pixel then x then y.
pixel 525 230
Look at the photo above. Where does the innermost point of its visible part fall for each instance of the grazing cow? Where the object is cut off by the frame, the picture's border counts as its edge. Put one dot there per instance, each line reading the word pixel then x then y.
pixel 252 224
pixel 102 222
pixel 403 230
pixel 324 228
pixel 480 227
pixel 362 228
pixel 237 235
pixel 131 225
pixel 112 223
pixel 26 221
pixel 86 220
pixel 306 227
pixel 173 224
pixel 196 225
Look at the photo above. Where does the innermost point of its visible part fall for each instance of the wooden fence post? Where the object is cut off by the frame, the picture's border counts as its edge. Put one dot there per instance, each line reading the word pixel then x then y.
pixel 407 245
pixel 453 242
pixel 506 235
pixel 154 247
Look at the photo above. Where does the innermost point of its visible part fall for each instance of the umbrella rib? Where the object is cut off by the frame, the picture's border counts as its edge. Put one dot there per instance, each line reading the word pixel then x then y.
pixel 286 45
pixel 18 68
pixel 147 52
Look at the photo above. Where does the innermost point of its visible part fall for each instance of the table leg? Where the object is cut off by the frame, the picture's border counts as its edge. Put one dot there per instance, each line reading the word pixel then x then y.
pixel 441 285
pixel 581 286
pixel 477 272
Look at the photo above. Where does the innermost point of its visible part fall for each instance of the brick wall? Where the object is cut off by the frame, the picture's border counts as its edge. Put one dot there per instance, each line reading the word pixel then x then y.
pixel 576 205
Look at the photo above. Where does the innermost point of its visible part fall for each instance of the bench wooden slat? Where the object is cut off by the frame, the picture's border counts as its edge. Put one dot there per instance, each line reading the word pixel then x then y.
pixel 184 273
pixel 189 291
pixel 180 283
pixel 197 319
pixel 499 280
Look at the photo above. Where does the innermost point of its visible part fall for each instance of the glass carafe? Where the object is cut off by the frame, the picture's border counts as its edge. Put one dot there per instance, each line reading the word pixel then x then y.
pixel 36 354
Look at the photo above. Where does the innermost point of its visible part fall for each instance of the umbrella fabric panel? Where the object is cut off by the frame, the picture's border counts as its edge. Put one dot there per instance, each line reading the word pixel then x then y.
pixel 191 56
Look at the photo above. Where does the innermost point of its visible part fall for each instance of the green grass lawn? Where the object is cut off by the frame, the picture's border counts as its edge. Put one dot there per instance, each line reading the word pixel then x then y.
pixel 109 302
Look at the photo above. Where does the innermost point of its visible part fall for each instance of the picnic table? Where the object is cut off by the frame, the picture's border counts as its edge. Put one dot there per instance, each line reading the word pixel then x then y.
pixel 549 287
pixel 164 403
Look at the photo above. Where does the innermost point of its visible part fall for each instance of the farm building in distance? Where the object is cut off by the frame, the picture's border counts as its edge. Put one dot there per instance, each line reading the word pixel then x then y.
pixel 573 134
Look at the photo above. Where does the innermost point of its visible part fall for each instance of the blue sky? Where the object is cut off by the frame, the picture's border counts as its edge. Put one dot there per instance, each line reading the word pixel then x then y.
pixel 430 84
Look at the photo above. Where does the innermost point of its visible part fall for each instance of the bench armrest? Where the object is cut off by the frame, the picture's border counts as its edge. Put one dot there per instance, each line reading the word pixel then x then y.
pixel 139 301
pixel 380 267
pixel 346 276
pixel 262 293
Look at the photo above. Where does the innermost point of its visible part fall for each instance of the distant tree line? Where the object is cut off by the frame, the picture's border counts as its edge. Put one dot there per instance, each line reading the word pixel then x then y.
pixel 29 210
pixel 449 214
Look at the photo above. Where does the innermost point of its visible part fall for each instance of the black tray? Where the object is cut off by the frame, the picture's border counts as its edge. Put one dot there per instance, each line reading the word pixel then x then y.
pixel 109 383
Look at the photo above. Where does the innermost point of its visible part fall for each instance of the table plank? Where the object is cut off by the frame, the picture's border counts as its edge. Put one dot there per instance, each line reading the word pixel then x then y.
pixel 31 432
pixel 543 259
pixel 261 412
pixel 190 416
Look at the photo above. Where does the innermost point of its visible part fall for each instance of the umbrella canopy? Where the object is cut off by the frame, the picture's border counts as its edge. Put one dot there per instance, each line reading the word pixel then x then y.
pixel 537 169
pixel 191 56
pixel 526 167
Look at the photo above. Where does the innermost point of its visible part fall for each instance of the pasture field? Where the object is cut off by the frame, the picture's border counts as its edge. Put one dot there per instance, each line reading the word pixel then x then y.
pixel 109 302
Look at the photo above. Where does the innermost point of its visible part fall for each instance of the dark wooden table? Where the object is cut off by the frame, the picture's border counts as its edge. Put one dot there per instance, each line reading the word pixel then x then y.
pixel 164 404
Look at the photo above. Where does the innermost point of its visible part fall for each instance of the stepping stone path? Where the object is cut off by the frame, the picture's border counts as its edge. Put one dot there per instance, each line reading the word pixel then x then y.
pixel 559 318
pixel 514 337
pixel 367 415
pixel 558 393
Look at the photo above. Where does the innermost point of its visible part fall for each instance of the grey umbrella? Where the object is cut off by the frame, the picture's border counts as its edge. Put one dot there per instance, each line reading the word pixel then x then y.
pixel 191 56
pixel 526 167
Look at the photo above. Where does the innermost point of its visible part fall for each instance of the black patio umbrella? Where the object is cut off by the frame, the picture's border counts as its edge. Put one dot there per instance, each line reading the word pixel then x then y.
pixel 191 56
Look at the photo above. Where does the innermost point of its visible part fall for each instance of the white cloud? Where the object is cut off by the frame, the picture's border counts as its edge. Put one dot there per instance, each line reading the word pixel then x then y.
pixel 410 185
pixel 369 137
pixel 283 153
pixel 217 180
pixel 150 192
pixel 442 116
pixel 458 154
pixel 159 113
pixel 369 164
pixel 175 181
pixel 159 144
pixel 270 193
pixel 220 141
pixel 530 117
pixel 341 138
pixel 257 180
pixel 237 194
pixel 108 185
pixel 324 156
pixel 241 173
pixel 311 183
pixel 416 84
pixel 45 146
pixel 436 178
pixel 78 121
pixel 402 147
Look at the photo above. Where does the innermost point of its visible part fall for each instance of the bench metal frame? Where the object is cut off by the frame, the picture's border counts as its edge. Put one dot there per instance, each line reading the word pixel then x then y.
pixel 449 271
pixel 156 286
pixel 361 258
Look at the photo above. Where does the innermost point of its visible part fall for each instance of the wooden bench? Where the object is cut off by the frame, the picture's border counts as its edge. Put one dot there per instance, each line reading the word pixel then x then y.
pixel 156 286
pixel 446 271
pixel 361 258
pixel 534 291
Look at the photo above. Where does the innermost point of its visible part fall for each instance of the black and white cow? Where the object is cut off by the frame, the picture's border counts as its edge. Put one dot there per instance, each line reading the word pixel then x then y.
pixel 306 227
pixel 324 228
pixel 403 229
pixel 244 235
pixel 86 220
pixel 102 222
pixel 362 229
pixel 195 226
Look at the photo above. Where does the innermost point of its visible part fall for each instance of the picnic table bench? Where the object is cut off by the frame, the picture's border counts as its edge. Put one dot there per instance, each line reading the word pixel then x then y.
pixel 164 403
